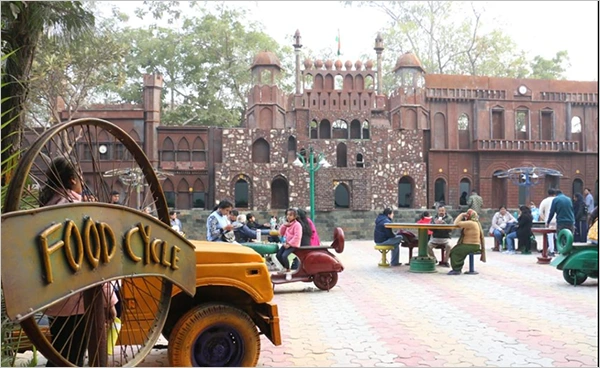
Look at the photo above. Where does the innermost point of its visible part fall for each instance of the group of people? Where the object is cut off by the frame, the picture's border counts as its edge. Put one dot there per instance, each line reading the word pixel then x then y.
pixel 471 238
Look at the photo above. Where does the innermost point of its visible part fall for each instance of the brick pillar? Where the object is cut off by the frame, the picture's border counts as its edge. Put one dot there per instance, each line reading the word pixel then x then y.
pixel 152 93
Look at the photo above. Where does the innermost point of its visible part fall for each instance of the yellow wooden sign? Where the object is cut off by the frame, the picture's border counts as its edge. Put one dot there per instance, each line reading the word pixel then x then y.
pixel 52 252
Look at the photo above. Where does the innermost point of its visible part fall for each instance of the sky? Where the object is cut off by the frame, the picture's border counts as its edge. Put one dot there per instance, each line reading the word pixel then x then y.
pixel 538 27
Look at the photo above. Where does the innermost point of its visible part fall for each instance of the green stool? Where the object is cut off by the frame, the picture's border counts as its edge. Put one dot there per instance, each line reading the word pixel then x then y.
pixel 384 249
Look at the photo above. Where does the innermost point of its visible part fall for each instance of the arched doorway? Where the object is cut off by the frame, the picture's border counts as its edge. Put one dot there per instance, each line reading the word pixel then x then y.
pixel 242 194
pixel 342 196
pixel 551 181
pixel 439 192
pixel 405 191
pixel 499 188
pixel 465 189
pixel 280 198
pixel 577 187
pixel 341 155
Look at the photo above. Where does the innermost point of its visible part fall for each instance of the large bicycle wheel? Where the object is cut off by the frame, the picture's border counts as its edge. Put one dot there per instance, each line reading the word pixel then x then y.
pixel 109 160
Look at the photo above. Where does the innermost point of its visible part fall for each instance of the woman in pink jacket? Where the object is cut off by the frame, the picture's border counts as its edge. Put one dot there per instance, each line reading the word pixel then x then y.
pixel 292 230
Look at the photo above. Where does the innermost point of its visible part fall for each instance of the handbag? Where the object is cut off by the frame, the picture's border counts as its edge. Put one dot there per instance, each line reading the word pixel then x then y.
pixel 113 335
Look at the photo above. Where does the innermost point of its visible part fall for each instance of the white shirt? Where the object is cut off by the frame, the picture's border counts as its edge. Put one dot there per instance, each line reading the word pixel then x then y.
pixel 545 210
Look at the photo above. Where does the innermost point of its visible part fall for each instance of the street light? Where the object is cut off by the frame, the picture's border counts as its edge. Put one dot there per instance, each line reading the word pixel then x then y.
pixel 311 168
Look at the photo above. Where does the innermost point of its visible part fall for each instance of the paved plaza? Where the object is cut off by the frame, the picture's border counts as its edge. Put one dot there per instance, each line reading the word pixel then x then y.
pixel 514 313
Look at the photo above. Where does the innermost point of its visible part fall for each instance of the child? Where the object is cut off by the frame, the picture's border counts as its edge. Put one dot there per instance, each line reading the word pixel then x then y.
pixel 426 219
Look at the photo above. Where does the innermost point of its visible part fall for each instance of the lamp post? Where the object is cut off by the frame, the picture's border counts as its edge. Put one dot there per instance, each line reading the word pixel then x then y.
pixel 311 168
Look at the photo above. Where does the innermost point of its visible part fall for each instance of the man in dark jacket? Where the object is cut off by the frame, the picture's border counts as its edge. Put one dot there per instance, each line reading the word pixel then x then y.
pixel 384 236
pixel 562 207
pixel 441 237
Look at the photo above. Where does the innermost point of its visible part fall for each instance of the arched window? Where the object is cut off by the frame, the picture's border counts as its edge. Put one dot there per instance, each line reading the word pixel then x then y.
pixel 328 82
pixel 577 187
pixel 348 83
pixel 522 124
pixel 342 196
pixel 308 82
pixel 318 85
pixel 339 82
pixel 266 77
pixel 291 149
pixel 440 191
pixel 341 155
pixel 198 150
pixel 199 195
pixel 360 160
pixel 410 120
pixel 325 129
pixel 314 134
pixel 242 194
pixel 355 129
pixel 340 129
pixel 439 131
pixel 183 195
pixel 464 132
pixel 365 130
pixel 168 150
pixel 576 124
pixel 465 190
pixel 405 191
pixel 551 181
pixel 260 151
pixel 547 124
pixel 280 198
pixel 183 150
pixel 498 122
pixel 169 191
pixel 369 84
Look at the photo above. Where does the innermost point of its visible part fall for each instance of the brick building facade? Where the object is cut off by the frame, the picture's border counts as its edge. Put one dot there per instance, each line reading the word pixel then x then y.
pixel 432 138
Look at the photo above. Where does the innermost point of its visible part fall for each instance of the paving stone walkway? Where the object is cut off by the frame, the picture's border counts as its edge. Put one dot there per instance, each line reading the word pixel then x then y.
pixel 514 313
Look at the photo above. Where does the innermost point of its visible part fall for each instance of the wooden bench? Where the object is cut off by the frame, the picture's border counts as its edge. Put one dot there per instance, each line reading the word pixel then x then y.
pixel 384 249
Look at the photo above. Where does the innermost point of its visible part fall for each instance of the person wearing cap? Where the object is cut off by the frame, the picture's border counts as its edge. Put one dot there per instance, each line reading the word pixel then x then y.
pixel 175 222
pixel 114 197
pixel 471 240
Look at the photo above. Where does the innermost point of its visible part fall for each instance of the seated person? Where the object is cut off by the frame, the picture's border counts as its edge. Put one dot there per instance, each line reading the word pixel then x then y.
pixel 522 232
pixel 218 227
pixel 425 219
pixel 441 237
pixel 292 231
pixel 263 228
pixel 384 236
pixel 312 230
pixel 592 235
pixel 243 234
pixel 500 221
pixel 471 240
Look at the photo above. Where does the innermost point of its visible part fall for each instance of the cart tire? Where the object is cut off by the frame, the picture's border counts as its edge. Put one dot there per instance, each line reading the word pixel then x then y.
pixel 214 335
pixel 326 281
pixel 564 241
pixel 79 140
pixel 574 277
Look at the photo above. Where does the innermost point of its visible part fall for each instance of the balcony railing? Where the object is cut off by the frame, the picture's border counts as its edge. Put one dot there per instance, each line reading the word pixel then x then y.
pixel 519 145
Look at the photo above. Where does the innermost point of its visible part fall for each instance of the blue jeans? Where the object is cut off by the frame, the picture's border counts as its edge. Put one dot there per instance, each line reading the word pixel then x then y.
pixel 510 241
pixel 282 256
pixel 395 241
pixel 498 235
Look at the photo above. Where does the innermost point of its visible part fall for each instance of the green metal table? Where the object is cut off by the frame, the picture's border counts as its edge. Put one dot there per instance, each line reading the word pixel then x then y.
pixel 422 263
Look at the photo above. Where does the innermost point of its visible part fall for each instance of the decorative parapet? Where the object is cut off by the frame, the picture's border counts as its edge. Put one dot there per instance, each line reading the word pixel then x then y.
pixel 520 145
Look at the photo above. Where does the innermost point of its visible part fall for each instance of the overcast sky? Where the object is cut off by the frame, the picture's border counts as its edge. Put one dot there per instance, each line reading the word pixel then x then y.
pixel 538 27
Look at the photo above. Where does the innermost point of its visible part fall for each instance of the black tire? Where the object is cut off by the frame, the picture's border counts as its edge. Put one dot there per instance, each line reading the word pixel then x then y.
pixel 326 281
pixel 214 335
pixel 574 277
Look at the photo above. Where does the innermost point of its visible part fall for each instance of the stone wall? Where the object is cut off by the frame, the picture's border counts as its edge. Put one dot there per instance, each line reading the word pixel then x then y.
pixel 357 225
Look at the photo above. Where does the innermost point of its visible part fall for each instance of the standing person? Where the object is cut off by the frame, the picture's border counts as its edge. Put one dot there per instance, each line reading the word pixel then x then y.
pixel 463 199
pixel 535 212
pixel 217 223
pixel 384 236
pixel 115 196
pixel 471 240
pixel 544 212
pixel 441 237
pixel 581 218
pixel 562 207
pixel 589 200
pixel 175 222
pixel 522 232
pixel 292 230
pixel 475 202
pixel 67 318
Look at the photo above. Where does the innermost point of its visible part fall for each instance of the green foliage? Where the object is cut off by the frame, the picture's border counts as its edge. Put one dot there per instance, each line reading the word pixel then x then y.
pixel 550 68
pixel 204 63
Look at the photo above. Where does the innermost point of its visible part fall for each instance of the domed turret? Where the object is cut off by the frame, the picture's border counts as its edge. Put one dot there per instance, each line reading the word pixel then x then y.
pixel 358 65
pixel 266 58
pixel 348 65
pixel 369 65
pixel 308 64
pixel 319 64
pixel 328 64
pixel 408 60
pixel 338 64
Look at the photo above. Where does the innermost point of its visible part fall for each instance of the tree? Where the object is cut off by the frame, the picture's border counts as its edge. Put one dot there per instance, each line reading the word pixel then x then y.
pixel 23 23
pixel 550 68
pixel 72 73
pixel 204 62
